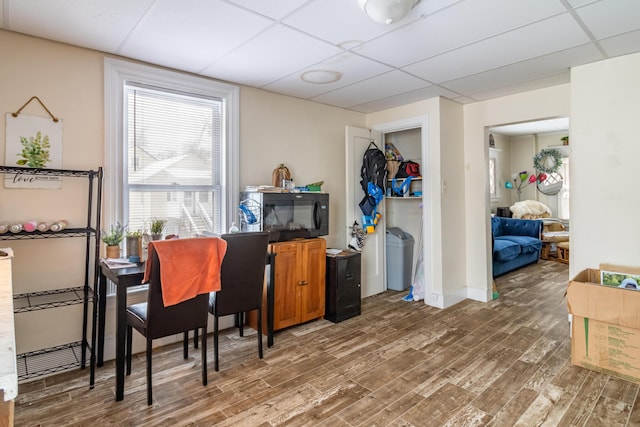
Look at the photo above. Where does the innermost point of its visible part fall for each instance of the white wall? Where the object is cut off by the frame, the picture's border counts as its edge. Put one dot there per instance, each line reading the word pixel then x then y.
pixel 605 128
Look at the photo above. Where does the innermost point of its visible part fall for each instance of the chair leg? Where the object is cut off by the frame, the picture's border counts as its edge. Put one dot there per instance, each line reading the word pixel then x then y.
pixel 195 338
pixel 204 356
pixel 128 351
pixel 215 341
pixel 260 332
pixel 149 395
pixel 185 345
pixel 241 323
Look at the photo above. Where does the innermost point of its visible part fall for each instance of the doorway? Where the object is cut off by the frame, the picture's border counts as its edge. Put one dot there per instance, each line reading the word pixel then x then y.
pixel 373 253
pixel 512 148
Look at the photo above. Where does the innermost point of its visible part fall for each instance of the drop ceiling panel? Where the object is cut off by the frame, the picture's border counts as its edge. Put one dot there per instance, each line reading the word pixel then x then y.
pixel 402 99
pixel 544 37
pixel 456 26
pixel 621 45
pixel 522 72
pixel 466 50
pixel 273 9
pixel 353 68
pixel 193 42
pixel 541 83
pixel 381 86
pixel 351 25
pixel 97 25
pixel 611 17
pixel 257 63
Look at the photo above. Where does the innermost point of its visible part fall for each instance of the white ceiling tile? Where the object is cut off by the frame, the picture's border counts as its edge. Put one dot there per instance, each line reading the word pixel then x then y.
pixel 522 72
pixel 351 25
pixel 426 7
pixel 474 49
pixel 544 37
pixel 459 25
pixel 578 3
pixel 353 68
pixel 381 86
pixel 611 17
pixel 403 99
pixel 273 9
pixel 544 82
pixel 621 45
pixel 257 62
pixel 194 41
pixel 97 25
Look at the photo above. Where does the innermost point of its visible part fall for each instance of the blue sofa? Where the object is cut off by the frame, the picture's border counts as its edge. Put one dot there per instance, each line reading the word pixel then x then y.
pixel 516 243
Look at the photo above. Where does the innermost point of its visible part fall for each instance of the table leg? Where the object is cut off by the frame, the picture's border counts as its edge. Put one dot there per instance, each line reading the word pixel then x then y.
pixel 102 310
pixel 270 290
pixel 121 331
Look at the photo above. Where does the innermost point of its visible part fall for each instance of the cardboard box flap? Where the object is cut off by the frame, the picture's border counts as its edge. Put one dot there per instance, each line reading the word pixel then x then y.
pixel 603 303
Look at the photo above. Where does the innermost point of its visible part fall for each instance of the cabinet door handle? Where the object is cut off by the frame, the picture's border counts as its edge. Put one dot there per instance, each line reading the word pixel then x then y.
pixel 302 282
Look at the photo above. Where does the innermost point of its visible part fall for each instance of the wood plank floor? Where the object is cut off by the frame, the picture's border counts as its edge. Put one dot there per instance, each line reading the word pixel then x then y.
pixel 503 363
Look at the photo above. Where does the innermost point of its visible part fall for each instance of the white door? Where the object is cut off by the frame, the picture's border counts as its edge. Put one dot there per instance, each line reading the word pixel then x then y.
pixel 372 258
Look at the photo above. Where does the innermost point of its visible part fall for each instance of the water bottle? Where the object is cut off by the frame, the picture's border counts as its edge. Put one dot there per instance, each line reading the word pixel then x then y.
pixel 59 225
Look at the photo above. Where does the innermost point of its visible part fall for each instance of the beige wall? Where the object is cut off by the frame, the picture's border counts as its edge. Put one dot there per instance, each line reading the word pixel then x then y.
pixel 306 136
pixel 605 129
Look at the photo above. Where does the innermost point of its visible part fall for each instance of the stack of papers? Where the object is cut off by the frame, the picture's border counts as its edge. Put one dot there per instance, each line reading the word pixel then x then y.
pixel 114 263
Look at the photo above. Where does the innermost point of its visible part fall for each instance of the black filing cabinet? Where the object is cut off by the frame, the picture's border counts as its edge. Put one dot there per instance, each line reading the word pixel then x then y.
pixel 343 286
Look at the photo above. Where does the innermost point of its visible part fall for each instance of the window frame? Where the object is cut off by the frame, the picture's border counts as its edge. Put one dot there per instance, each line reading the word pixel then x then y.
pixel 494 154
pixel 116 74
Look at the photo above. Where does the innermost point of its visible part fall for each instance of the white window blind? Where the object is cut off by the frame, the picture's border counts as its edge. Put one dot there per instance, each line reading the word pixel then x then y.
pixel 174 161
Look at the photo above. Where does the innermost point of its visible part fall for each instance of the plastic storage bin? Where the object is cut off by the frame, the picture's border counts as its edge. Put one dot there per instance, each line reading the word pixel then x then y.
pixel 399 254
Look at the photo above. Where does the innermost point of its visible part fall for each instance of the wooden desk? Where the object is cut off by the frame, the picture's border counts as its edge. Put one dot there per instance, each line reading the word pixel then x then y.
pixel 125 278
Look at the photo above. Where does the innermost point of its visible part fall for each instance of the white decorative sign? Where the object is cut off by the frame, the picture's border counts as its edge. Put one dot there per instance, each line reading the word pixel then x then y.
pixel 33 142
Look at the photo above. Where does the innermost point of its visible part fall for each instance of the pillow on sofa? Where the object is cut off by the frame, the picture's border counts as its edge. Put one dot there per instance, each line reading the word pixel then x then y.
pixel 530 209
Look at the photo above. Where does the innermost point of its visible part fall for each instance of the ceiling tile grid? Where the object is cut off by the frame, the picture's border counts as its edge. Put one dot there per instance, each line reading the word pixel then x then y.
pixel 465 50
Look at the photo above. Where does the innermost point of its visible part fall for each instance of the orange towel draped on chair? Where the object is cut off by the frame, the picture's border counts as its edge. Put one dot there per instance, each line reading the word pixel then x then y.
pixel 189 267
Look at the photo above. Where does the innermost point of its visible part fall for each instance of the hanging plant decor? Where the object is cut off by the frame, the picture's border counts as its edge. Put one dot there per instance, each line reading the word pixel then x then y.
pixel 547 160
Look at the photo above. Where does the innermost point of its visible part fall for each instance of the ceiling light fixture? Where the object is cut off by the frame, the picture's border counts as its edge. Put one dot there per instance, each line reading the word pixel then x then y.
pixel 387 11
pixel 321 76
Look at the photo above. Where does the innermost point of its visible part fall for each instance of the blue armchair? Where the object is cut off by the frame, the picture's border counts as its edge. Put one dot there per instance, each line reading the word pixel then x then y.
pixel 515 242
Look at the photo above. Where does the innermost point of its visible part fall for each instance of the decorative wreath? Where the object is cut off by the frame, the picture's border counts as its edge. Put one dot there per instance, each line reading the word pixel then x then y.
pixel 542 159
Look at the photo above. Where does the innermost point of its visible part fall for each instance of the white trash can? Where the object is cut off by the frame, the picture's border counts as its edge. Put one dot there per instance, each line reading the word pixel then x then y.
pixel 399 254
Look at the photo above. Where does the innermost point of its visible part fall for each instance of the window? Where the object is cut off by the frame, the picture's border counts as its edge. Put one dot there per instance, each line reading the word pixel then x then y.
pixel 494 184
pixel 171 149
pixel 564 193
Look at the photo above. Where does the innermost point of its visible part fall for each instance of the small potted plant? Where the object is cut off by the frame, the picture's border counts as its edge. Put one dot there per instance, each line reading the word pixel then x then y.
pixel 134 245
pixel 157 227
pixel 113 238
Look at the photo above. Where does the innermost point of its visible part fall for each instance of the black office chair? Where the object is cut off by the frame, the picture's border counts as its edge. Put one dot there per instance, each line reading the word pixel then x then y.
pixel 153 320
pixel 242 282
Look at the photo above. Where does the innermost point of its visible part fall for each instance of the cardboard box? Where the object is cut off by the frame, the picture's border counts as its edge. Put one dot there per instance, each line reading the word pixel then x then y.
pixel 605 326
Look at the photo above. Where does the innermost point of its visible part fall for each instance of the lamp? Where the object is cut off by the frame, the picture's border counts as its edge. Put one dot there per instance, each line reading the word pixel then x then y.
pixel 387 11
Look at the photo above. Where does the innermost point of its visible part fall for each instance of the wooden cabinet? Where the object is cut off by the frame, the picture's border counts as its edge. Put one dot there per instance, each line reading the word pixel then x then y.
pixel 299 288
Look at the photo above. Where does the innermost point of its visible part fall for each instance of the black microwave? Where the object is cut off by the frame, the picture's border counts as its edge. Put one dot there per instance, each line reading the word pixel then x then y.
pixel 286 216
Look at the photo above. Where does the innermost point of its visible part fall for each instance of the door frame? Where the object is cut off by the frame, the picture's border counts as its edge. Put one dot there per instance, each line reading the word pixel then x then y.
pixel 422 122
